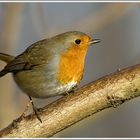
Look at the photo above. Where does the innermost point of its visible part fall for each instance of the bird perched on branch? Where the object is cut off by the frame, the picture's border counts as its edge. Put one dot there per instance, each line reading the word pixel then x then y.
pixel 50 67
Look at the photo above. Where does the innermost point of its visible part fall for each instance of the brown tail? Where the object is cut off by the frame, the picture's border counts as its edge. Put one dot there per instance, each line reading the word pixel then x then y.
pixel 6 58
pixel 2 73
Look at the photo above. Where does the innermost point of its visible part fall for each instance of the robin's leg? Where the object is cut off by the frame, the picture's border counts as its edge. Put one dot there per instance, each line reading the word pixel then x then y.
pixel 71 91
pixel 35 109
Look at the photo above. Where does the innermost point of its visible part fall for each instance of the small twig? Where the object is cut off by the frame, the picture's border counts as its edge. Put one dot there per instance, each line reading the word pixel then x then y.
pixel 109 91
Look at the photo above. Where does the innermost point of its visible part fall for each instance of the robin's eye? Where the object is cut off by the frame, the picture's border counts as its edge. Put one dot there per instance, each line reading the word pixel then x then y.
pixel 77 41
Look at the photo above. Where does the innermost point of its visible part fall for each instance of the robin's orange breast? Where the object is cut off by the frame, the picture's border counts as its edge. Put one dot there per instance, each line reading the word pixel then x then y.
pixel 71 65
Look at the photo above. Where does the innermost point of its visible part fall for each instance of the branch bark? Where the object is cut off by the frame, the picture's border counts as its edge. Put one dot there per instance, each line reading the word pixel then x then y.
pixel 109 91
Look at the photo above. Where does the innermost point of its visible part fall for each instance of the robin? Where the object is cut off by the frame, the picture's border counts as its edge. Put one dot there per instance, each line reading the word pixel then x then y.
pixel 50 67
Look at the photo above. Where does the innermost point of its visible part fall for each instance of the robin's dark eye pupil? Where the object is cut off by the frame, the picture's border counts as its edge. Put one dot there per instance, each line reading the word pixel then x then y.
pixel 77 41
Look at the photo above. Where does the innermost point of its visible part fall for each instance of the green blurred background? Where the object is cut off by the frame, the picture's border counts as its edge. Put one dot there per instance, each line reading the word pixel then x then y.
pixel 116 24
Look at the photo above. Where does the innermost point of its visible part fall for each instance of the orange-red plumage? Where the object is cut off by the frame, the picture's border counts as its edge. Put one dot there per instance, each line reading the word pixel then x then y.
pixel 71 64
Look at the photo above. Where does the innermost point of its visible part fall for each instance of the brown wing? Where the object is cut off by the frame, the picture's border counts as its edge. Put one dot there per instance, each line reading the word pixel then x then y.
pixel 16 65
pixel 32 57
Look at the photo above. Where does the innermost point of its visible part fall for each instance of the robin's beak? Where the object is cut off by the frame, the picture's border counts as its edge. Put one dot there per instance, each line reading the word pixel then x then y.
pixel 94 41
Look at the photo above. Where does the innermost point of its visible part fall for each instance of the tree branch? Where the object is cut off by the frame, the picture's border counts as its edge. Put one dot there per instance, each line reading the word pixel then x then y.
pixel 109 91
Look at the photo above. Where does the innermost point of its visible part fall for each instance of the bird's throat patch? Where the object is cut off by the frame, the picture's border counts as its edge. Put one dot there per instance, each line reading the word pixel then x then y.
pixel 71 65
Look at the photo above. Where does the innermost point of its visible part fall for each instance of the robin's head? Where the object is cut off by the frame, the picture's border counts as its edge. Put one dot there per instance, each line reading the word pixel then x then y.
pixel 74 39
